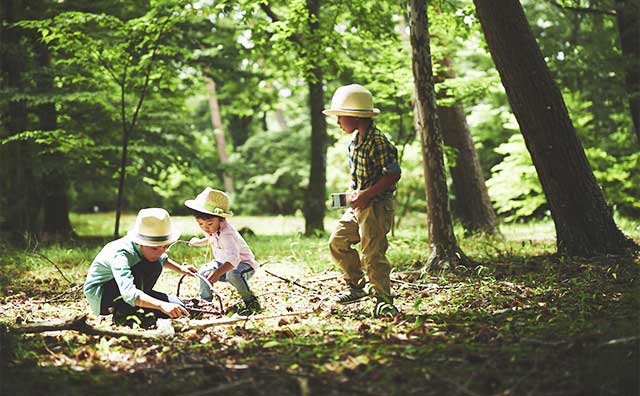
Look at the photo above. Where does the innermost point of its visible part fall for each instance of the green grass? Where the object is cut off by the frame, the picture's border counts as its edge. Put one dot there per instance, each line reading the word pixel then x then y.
pixel 519 321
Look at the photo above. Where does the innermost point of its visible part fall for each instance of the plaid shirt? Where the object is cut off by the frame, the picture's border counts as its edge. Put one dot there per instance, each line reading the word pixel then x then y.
pixel 372 158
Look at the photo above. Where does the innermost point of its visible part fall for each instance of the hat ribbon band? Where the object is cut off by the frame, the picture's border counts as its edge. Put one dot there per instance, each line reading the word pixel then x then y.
pixel 153 238
pixel 214 209
pixel 355 110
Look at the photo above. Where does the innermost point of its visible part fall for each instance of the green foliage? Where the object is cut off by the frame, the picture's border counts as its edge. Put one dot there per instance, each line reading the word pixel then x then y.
pixel 514 186
pixel 271 172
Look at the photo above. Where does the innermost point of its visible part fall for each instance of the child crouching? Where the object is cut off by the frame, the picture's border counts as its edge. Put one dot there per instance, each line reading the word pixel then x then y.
pixel 233 261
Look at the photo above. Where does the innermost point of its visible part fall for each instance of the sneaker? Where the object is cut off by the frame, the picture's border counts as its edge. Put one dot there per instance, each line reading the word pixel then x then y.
pixel 251 306
pixel 384 309
pixel 354 294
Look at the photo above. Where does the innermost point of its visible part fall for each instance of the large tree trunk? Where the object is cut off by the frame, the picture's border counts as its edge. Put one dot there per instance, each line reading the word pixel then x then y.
pixel 54 183
pixel 472 198
pixel 216 122
pixel 445 252
pixel 20 202
pixel 314 200
pixel 584 224
pixel 628 14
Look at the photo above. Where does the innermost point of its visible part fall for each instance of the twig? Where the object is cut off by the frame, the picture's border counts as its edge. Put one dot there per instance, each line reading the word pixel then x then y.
pixel 618 341
pixel 178 241
pixel 206 281
pixel 203 324
pixel 77 323
pixel 42 256
pixel 288 280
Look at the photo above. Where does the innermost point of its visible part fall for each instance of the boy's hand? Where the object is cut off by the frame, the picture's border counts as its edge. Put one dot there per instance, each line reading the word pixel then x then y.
pixel 194 241
pixel 173 310
pixel 360 199
pixel 188 269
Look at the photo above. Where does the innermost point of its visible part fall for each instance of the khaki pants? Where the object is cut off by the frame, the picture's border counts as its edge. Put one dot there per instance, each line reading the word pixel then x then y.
pixel 369 226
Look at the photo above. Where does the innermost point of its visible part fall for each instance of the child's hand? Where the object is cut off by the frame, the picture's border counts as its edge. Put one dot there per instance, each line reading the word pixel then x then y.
pixel 188 269
pixel 213 277
pixel 173 310
pixel 195 241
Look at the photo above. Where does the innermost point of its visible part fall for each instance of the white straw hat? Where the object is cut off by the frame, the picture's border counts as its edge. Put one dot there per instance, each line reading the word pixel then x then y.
pixel 153 228
pixel 352 100
pixel 210 201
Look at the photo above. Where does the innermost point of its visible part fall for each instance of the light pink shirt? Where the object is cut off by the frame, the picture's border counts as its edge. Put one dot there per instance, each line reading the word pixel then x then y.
pixel 229 247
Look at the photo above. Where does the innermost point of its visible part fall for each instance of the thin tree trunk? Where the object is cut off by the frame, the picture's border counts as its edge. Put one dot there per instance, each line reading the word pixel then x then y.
pixel 314 200
pixel 216 122
pixel 445 252
pixel 584 224
pixel 628 15
pixel 54 184
pixel 472 197
pixel 126 131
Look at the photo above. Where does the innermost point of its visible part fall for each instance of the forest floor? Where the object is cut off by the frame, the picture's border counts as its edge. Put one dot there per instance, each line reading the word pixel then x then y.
pixel 519 321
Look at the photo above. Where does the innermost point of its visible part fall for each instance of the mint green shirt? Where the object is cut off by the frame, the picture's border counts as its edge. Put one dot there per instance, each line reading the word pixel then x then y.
pixel 114 261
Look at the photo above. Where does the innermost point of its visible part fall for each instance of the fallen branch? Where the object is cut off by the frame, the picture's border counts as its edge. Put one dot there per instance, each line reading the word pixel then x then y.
pixel 77 323
pixel 287 280
pixel 203 324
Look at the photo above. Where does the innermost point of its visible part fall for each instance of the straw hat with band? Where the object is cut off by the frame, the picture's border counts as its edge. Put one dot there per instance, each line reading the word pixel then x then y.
pixel 210 201
pixel 352 100
pixel 153 228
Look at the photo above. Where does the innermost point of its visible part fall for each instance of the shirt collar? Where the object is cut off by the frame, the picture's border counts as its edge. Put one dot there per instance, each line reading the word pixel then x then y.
pixel 366 136
pixel 136 249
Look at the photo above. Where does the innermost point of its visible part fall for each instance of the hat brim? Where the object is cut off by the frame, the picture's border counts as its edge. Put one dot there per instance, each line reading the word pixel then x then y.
pixel 352 113
pixel 156 241
pixel 195 205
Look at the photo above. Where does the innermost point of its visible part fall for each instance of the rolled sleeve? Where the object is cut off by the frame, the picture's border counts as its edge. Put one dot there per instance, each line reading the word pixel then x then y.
pixel 385 155
pixel 124 279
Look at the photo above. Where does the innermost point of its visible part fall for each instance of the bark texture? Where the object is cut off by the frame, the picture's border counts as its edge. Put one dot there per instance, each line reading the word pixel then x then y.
pixel 314 201
pixel 628 15
pixel 444 251
pixel 584 224
pixel 216 123
pixel 55 198
pixel 472 198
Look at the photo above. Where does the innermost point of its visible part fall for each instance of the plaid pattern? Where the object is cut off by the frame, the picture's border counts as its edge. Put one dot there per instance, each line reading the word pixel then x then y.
pixel 371 159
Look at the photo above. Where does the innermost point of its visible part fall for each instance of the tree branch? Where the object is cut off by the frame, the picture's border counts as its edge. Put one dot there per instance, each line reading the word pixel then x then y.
pixel 296 38
pixel 78 323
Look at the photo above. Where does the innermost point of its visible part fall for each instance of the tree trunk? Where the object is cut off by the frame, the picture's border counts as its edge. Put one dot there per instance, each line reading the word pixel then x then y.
pixel 628 15
pixel 314 200
pixel 584 224
pixel 445 252
pixel 472 197
pixel 216 122
pixel 20 202
pixel 123 160
pixel 239 127
pixel 54 184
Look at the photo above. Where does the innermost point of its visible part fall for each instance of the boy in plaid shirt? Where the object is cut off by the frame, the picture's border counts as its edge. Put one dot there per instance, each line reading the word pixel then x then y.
pixel 373 162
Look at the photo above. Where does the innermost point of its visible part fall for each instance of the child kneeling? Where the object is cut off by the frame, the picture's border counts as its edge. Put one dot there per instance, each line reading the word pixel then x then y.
pixel 233 261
